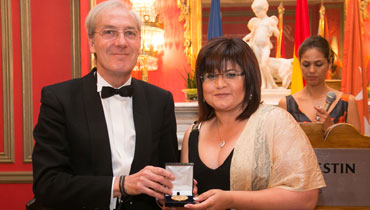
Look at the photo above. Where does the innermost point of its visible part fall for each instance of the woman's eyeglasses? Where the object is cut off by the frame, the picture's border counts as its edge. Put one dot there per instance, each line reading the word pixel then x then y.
pixel 227 75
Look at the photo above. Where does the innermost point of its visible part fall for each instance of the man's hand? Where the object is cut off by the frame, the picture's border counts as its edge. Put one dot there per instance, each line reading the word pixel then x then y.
pixel 153 181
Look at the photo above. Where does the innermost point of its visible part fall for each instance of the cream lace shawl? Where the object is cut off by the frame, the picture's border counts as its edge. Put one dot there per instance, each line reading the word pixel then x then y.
pixel 273 151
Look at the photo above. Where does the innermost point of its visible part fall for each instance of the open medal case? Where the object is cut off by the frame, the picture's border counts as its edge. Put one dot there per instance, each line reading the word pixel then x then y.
pixel 182 191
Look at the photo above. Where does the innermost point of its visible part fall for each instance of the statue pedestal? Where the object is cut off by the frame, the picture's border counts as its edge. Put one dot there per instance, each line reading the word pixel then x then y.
pixel 272 96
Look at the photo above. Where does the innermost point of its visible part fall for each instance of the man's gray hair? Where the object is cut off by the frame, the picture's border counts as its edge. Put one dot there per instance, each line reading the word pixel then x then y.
pixel 101 7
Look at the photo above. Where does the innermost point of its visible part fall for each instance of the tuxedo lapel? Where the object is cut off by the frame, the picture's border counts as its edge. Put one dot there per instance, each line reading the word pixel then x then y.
pixel 100 147
pixel 142 128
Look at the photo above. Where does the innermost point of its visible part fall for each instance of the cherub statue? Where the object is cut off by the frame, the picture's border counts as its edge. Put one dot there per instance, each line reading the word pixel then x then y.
pixel 262 27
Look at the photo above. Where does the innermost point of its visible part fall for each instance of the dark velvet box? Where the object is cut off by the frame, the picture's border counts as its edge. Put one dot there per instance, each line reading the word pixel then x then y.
pixel 182 185
pixel 172 203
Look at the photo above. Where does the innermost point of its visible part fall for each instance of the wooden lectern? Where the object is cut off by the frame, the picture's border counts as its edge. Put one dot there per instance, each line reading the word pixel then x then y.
pixel 345 150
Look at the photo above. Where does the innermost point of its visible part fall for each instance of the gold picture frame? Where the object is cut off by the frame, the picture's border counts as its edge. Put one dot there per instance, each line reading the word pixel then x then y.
pixel 7 156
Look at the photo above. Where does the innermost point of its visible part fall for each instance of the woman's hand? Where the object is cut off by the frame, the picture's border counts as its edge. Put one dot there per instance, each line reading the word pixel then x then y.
pixel 323 116
pixel 195 188
pixel 212 199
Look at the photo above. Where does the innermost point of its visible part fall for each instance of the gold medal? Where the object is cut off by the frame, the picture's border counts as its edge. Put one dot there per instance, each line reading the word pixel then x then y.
pixel 179 197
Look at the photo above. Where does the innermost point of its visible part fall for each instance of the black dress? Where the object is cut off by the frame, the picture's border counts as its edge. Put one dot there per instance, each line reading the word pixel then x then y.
pixel 207 178
pixel 337 115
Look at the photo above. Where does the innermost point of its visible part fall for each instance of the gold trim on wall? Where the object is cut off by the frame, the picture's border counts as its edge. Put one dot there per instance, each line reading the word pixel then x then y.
pixel 184 7
pixel 16 177
pixel 191 15
pixel 75 39
pixel 7 156
pixel 196 29
pixel 92 4
pixel 26 62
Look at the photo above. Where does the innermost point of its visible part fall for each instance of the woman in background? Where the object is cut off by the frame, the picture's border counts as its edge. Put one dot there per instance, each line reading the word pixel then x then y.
pixel 307 105
pixel 246 155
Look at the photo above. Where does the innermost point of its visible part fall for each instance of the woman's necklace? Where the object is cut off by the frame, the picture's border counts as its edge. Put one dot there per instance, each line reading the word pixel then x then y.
pixel 222 142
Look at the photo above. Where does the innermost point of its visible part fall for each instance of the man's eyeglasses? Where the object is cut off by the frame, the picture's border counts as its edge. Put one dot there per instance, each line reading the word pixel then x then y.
pixel 110 34
pixel 228 75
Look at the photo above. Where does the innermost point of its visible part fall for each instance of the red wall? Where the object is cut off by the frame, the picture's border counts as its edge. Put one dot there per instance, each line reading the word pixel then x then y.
pixel 51 48
pixel 14 196
pixel 171 60
pixel 85 54
pixel 51 62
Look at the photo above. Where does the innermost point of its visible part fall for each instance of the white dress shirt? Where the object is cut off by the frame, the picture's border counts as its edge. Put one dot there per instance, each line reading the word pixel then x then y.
pixel 121 130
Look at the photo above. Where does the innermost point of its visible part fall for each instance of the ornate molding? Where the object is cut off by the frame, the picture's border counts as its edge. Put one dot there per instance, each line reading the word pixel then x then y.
pixel 16 177
pixel 26 62
pixel 183 5
pixel 191 15
pixel 92 3
pixel 75 39
pixel 7 156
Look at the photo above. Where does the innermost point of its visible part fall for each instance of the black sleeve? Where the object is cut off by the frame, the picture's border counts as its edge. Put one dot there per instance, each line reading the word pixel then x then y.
pixel 56 183
pixel 169 144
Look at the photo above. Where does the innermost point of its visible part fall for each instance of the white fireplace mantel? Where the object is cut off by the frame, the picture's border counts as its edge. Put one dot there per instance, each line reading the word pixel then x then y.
pixel 186 114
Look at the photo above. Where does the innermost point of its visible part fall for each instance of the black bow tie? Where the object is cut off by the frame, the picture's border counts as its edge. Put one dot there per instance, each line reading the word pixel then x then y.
pixel 125 91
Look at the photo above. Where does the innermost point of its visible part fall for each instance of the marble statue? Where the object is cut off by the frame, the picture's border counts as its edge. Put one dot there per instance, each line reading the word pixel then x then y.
pixel 262 27
pixel 281 70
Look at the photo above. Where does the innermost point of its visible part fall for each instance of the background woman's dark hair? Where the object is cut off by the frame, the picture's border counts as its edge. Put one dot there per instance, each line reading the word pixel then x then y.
pixel 214 57
pixel 319 43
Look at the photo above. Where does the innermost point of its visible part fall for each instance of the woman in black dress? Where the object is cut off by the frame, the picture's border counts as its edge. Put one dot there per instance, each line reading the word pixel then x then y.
pixel 307 105
pixel 246 155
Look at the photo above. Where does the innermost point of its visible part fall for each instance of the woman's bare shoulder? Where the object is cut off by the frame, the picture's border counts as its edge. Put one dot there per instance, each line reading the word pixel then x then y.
pixel 299 96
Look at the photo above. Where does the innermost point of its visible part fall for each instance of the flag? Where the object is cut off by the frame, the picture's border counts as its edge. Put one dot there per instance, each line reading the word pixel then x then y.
pixel 323 23
pixel 354 75
pixel 366 24
pixel 324 31
pixel 321 30
pixel 367 66
pixel 302 31
pixel 214 23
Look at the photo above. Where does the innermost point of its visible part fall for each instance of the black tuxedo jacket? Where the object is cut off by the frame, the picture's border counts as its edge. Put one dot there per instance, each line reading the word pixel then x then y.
pixel 72 164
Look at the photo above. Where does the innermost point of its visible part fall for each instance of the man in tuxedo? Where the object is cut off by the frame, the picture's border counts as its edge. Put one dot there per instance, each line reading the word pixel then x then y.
pixel 102 140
